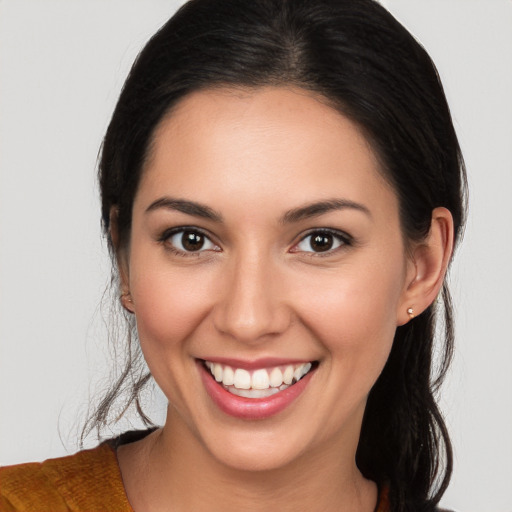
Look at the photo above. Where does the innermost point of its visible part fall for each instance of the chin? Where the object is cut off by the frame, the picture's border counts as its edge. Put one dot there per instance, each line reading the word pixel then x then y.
pixel 263 454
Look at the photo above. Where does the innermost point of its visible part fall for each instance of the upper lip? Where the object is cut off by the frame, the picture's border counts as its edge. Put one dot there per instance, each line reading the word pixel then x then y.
pixel 265 362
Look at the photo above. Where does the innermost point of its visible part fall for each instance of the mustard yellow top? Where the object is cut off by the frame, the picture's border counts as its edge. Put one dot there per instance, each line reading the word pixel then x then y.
pixel 89 481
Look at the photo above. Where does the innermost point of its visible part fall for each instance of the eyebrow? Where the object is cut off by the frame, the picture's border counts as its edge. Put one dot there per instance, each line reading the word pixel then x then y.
pixel 295 215
pixel 184 206
pixel 320 208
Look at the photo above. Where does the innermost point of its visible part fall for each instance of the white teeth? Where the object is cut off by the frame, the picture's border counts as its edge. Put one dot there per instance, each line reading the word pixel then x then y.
pixel 288 375
pixel 242 379
pixel 228 377
pixel 297 374
pixel 260 380
pixel 217 372
pixel 276 377
pixel 261 383
pixel 254 393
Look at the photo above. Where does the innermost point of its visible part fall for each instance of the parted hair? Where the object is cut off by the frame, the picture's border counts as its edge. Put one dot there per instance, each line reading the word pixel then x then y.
pixel 372 70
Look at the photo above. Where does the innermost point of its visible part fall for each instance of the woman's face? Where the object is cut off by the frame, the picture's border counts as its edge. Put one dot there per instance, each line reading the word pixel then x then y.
pixel 265 243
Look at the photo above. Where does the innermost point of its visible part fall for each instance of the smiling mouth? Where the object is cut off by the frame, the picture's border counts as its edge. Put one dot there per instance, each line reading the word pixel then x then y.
pixel 258 383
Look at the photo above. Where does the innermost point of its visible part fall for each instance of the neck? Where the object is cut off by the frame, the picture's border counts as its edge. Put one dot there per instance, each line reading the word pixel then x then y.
pixel 172 466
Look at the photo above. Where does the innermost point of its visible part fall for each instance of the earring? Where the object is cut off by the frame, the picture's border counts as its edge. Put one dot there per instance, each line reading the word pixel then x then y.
pixel 410 312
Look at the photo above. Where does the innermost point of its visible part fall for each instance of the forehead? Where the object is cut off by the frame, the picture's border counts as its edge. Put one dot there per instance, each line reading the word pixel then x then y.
pixel 257 143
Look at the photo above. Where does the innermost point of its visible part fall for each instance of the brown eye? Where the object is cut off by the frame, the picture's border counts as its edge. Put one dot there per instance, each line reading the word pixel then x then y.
pixel 321 242
pixel 188 241
pixel 192 241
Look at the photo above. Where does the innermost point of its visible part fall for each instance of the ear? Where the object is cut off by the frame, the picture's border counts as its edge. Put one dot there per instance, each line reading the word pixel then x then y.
pixel 427 268
pixel 122 261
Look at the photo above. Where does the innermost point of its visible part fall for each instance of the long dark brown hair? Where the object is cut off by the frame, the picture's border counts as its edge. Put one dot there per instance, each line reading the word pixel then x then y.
pixel 368 66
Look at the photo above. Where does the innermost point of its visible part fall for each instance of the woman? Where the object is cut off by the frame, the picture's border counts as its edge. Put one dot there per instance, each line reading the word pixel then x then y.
pixel 282 189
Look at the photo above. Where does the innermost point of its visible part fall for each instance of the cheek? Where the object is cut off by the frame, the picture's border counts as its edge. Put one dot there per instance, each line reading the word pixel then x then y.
pixel 169 307
pixel 355 326
pixel 354 312
pixel 169 303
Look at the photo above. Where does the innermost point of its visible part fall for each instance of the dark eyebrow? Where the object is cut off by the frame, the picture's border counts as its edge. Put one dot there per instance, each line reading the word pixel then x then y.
pixel 321 207
pixel 184 206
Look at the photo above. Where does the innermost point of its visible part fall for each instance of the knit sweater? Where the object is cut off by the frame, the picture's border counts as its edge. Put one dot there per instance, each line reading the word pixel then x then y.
pixel 88 481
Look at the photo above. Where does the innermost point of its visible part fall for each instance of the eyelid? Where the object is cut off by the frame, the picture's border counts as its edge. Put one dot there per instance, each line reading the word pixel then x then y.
pixel 169 233
pixel 346 241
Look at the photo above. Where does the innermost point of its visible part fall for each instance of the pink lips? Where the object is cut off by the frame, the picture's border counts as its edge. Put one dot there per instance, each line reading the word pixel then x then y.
pixel 251 408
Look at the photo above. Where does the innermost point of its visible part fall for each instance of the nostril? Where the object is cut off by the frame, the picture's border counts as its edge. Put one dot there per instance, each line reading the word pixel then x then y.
pixel 253 325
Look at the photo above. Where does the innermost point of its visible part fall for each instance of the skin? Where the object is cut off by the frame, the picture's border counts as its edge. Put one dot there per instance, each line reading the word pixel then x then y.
pixel 258 289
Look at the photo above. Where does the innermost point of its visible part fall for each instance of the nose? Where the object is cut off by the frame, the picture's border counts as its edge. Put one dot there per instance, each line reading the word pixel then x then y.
pixel 251 306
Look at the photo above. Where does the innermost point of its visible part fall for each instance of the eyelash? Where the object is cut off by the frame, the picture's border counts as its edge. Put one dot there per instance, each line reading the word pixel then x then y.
pixel 343 241
pixel 165 237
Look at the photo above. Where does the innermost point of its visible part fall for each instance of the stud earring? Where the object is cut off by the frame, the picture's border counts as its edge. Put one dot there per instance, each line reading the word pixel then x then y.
pixel 410 312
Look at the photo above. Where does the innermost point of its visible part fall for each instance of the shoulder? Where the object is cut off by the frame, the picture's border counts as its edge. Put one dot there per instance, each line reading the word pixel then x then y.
pixel 88 480
pixel 25 486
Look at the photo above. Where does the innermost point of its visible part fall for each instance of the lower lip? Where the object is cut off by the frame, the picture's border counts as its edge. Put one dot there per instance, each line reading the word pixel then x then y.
pixel 251 408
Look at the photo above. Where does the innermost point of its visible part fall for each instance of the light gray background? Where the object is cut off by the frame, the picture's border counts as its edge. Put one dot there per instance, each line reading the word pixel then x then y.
pixel 61 68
